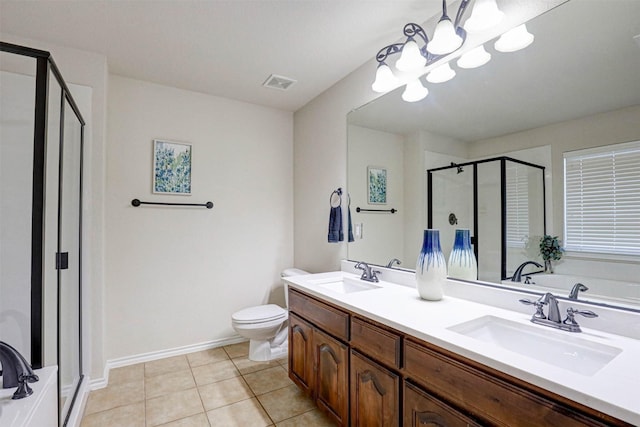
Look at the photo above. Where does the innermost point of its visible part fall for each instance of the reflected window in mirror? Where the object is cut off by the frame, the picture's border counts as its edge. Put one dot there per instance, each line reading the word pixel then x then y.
pixel 602 199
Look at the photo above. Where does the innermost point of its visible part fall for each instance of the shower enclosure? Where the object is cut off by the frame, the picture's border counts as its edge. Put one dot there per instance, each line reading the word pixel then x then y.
pixel 501 200
pixel 41 143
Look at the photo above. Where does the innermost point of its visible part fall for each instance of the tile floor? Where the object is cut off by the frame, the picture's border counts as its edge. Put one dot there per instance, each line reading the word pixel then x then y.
pixel 217 387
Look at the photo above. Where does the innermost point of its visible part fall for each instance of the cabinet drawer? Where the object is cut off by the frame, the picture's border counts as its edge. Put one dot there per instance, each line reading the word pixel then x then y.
pixel 328 318
pixel 422 409
pixel 379 343
pixel 483 395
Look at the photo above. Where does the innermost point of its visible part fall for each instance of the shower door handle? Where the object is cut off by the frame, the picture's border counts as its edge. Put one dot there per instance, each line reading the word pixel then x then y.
pixel 62 260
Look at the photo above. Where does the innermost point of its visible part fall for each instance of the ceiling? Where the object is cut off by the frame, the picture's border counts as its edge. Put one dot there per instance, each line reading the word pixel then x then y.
pixel 225 48
pixel 583 61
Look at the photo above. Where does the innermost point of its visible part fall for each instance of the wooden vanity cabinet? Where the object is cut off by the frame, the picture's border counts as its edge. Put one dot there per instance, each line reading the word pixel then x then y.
pixel 375 393
pixel 318 361
pixel 301 360
pixel 363 373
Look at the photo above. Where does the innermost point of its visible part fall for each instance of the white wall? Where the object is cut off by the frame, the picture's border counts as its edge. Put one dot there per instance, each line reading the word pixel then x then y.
pixel 383 233
pixel 175 275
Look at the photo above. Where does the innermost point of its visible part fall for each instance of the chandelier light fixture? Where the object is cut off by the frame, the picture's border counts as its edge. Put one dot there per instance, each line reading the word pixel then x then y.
pixel 418 51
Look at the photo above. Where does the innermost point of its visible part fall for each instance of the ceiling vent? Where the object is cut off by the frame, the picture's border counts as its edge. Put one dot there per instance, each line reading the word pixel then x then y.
pixel 278 82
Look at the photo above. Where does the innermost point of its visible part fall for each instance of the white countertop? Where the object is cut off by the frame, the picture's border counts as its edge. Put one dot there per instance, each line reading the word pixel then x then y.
pixel 612 390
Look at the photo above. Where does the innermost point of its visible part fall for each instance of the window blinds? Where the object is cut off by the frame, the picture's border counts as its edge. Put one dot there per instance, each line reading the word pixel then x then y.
pixel 602 199
pixel 517 206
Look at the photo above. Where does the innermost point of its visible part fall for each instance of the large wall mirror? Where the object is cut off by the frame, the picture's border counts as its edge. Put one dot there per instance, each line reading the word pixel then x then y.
pixel 576 87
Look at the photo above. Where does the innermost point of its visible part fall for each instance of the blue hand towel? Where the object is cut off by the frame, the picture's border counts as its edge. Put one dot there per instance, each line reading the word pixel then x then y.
pixel 349 225
pixel 335 225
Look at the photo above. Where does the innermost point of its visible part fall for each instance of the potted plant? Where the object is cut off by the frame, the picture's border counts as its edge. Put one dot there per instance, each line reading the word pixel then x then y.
pixel 550 249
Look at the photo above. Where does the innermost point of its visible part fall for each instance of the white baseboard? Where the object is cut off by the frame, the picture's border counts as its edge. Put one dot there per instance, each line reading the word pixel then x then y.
pixel 155 355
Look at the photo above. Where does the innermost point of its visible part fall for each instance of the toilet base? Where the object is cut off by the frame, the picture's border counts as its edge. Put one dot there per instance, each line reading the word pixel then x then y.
pixel 262 351
pixel 275 348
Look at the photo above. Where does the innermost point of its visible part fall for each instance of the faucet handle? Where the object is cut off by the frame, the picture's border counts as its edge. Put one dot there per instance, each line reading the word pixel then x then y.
pixel 539 314
pixel 570 321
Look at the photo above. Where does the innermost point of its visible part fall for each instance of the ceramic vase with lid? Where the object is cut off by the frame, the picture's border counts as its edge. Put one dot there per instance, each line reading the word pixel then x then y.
pixel 431 268
pixel 462 260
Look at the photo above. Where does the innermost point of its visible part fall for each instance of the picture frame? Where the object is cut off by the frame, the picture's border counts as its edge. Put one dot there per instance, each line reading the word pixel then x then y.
pixel 377 185
pixel 172 167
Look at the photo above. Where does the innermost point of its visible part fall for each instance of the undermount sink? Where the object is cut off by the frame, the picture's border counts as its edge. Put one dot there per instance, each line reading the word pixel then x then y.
pixel 562 350
pixel 344 285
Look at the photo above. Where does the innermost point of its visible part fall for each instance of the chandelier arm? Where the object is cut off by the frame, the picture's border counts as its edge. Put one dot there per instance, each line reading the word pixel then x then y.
pixel 383 53
pixel 412 30
pixel 461 10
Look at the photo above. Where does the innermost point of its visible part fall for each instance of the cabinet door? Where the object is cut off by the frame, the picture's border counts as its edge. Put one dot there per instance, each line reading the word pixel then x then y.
pixel 301 353
pixel 422 409
pixel 375 394
pixel 332 376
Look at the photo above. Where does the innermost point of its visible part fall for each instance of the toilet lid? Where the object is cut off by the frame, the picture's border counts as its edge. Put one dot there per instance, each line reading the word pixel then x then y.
pixel 260 313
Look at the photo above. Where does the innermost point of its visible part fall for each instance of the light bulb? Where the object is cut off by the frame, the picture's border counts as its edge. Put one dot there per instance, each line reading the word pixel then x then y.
pixel 385 80
pixel 474 58
pixel 414 91
pixel 441 74
pixel 485 14
pixel 515 39
pixel 411 59
pixel 445 40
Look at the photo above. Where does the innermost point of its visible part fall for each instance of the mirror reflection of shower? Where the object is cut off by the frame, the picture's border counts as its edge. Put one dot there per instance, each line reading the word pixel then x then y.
pixel 500 200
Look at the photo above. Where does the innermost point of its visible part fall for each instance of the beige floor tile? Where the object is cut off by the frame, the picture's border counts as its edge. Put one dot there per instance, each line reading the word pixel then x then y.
pixel 165 366
pixel 159 385
pixel 224 393
pixel 172 407
pixel 268 380
pixel 211 355
pixel 199 420
pixel 122 416
pixel 114 396
pixel 213 372
pixel 313 418
pixel 241 414
pixel 237 350
pixel 126 374
pixel 246 366
pixel 285 403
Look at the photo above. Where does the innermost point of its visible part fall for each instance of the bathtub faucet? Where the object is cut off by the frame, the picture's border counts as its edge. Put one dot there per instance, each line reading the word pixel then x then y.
pixel 16 371
pixel 517 275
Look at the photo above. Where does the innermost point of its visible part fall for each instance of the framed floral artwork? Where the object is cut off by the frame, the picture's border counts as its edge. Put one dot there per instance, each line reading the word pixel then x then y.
pixel 377 185
pixel 171 167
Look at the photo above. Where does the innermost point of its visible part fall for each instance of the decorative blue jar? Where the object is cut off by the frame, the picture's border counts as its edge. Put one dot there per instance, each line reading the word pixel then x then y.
pixel 431 268
pixel 462 260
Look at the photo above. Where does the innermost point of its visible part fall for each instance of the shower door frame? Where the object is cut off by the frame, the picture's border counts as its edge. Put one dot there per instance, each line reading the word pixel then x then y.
pixel 503 199
pixel 45 67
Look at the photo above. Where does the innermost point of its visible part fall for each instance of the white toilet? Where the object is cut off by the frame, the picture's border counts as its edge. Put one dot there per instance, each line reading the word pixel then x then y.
pixel 265 326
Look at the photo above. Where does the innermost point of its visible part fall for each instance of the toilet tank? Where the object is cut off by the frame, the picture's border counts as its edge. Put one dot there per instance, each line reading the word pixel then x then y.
pixel 289 272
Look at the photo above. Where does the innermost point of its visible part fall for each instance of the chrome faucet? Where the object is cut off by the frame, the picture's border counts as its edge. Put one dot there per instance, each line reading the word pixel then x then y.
pixel 16 371
pixel 394 261
pixel 517 275
pixel 368 274
pixel 577 288
pixel 553 319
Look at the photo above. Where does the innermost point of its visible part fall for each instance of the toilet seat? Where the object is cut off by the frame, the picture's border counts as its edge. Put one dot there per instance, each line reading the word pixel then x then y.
pixel 259 314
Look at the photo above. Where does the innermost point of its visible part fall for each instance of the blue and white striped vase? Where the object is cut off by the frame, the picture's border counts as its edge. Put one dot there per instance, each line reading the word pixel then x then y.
pixel 431 268
pixel 462 260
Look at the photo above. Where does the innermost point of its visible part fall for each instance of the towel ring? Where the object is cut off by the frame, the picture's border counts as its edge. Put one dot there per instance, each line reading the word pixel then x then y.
pixel 337 199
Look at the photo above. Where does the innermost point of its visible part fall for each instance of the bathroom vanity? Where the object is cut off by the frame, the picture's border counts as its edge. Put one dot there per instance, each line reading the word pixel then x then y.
pixel 375 354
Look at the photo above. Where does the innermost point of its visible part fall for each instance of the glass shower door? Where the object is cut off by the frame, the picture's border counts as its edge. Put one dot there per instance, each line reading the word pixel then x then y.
pixel 68 260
